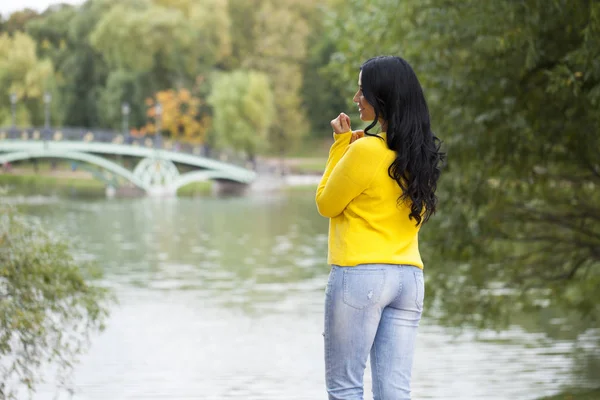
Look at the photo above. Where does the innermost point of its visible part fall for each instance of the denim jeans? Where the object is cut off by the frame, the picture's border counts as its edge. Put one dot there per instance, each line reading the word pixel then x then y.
pixel 371 309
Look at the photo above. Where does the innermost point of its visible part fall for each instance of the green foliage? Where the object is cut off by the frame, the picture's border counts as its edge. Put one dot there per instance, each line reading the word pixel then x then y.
pixel 106 52
pixel 16 21
pixel 63 36
pixel 147 48
pixel 109 52
pixel 34 184
pixel 243 18
pixel 24 74
pixel 243 110
pixel 279 38
pixel 47 307
pixel 139 37
pixel 323 98
pixel 513 90
pixel 195 189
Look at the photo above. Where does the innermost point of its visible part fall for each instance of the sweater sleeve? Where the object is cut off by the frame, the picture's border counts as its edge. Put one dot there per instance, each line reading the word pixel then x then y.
pixel 349 171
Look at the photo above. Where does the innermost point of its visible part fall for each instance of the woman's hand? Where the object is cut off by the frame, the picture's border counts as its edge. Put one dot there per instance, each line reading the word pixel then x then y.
pixel 341 124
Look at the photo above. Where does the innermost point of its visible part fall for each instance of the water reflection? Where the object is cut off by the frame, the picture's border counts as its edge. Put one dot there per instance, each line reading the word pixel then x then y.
pixel 222 299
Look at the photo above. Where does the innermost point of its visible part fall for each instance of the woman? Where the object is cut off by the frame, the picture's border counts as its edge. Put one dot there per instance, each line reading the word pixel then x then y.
pixel 377 190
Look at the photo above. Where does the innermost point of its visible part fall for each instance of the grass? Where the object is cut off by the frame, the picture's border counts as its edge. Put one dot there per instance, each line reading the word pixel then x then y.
pixel 575 395
pixel 50 185
pixel 43 164
pixel 195 189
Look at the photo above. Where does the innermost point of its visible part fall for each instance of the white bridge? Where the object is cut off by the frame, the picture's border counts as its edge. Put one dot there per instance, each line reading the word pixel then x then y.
pixel 156 172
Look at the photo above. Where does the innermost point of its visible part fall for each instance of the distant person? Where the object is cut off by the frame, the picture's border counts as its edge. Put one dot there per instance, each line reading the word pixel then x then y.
pixel 378 189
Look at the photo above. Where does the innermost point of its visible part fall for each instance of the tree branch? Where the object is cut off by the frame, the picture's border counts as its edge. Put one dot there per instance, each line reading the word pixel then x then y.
pixel 566 276
pixel 536 215
pixel 547 65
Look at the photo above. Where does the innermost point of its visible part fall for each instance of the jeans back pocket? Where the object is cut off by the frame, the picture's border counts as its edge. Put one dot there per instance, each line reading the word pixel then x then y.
pixel 362 288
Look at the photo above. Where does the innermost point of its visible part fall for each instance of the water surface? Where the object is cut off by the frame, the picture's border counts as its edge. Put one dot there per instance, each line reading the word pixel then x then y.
pixel 223 299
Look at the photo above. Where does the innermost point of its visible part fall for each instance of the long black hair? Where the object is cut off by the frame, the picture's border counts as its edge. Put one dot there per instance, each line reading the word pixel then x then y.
pixel 391 86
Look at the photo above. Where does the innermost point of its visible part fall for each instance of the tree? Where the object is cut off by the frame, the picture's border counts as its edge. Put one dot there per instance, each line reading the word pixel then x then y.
pixel 22 73
pixel 243 14
pixel 279 39
pixel 48 308
pixel 322 98
pixel 287 40
pixel 156 46
pixel 17 21
pixel 140 36
pixel 62 34
pixel 243 110
pixel 107 52
pixel 212 25
pixel 181 116
pixel 514 89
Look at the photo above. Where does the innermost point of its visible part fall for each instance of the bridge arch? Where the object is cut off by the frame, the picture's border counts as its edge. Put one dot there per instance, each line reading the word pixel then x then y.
pixel 156 173
pixel 198 176
pixel 225 170
pixel 77 156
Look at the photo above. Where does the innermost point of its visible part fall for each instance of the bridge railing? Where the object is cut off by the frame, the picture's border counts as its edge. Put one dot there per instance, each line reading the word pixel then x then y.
pixel 107 136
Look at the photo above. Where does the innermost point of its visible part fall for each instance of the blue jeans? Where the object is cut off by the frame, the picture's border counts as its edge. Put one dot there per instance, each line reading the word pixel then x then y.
pixel 371 309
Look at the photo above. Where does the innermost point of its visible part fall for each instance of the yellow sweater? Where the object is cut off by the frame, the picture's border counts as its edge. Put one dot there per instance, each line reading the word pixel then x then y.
pixel 367 224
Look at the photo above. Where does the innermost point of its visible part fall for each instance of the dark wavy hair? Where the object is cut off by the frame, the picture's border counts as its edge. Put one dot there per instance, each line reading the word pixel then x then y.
pixel 391 86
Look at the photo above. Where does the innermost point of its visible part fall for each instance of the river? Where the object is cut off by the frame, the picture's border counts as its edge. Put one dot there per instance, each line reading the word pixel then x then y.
pixel 222 298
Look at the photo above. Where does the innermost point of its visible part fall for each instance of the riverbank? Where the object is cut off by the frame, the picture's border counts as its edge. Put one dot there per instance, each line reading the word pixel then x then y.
pixel 61 180
pixel 30 184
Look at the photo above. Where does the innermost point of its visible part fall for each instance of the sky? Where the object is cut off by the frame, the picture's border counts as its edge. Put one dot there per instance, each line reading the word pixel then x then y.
pixel 9 6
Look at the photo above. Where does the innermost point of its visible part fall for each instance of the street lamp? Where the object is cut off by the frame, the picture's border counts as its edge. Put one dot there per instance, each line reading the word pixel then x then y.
pixel 125 110
pixel 158 117
pixel 47 100
pixel 13 105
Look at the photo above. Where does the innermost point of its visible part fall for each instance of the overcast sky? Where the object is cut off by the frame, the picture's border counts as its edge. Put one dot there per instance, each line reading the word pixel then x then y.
pixel 9 6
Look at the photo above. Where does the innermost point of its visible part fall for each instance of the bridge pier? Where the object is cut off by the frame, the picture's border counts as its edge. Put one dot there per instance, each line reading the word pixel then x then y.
pixel 228 188
pixel 161 191
pixel 110 191
pixel 125 191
